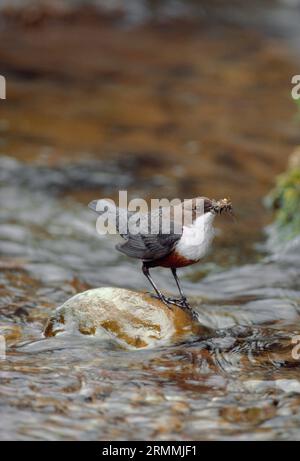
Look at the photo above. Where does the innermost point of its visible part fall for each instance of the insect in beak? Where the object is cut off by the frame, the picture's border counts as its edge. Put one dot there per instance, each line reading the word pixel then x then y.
pixel 224 206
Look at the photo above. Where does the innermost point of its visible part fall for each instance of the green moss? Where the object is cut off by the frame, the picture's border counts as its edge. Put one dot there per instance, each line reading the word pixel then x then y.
pixel 285 200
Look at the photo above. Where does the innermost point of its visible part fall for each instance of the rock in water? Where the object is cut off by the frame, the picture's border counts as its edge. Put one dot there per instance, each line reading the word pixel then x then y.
pixel 134 320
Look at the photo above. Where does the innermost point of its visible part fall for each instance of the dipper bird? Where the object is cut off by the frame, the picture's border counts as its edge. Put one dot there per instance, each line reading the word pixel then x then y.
pixel 181 246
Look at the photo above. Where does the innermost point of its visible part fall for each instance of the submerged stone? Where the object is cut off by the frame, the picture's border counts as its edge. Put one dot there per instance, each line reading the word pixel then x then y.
pixel 134 320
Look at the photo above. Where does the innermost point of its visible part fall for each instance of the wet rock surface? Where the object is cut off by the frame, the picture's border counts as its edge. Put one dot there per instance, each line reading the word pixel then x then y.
pixel 133 320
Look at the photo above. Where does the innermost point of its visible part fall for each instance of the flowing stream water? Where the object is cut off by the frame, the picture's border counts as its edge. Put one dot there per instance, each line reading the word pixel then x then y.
pixel 138 131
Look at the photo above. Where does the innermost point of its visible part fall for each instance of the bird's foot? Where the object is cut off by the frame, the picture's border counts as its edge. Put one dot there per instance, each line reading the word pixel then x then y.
pixel 181 302
pixel 162 298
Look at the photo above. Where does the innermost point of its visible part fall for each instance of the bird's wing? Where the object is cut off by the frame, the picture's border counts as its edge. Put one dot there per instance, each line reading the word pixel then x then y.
pixel 142 245
pixel 149 246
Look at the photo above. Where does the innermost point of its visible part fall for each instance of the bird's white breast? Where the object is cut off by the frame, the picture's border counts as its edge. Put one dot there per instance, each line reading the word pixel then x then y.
pixel 196 239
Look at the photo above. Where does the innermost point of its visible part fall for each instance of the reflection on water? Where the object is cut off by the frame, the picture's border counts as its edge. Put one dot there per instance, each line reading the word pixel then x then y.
pixel 205 115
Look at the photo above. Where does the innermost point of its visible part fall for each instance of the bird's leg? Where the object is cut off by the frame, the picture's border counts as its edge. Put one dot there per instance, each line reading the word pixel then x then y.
pixel 159 294
pixel 174 272
pixel 182 302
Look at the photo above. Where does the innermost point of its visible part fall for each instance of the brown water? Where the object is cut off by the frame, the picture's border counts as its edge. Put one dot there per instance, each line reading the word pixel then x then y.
pixel 209 113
